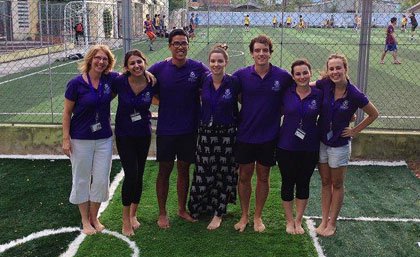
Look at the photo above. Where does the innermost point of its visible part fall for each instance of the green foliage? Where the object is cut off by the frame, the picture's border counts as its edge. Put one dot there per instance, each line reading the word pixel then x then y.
pixel 405 4
pixel 176 4
pixel 107 16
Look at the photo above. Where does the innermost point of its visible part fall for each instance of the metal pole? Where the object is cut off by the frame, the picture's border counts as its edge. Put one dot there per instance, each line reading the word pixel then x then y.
pixel 126 25
pixel 85 25
pixel 49 60
pixel 364 44
pixel 40 23
pixel 282 31
pixel 208 23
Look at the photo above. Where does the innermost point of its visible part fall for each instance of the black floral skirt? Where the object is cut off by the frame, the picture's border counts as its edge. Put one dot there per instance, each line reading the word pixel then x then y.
pixel 215 175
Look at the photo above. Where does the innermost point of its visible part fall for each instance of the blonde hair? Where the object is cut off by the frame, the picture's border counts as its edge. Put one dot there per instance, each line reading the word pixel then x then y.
pixel 342 57
pixel 86 64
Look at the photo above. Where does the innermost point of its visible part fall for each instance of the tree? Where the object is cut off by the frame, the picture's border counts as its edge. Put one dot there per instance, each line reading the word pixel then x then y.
pixel 405 4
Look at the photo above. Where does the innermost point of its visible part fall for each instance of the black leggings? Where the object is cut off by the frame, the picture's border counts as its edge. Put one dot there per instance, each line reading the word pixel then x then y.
pixel 133 154
pixel 296 168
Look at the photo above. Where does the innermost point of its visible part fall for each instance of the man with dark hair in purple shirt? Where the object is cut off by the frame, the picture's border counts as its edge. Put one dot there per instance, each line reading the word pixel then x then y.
pixel 259 119
pixel 178 82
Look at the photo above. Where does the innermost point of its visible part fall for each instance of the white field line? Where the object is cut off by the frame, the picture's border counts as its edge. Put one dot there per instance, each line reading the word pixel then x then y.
pixel 311 226
pixel 371 219
pixel 398 117
pixel 36 235
pixel 34 73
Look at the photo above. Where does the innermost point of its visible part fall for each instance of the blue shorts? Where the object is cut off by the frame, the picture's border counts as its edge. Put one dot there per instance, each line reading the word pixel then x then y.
pixel 335 156
pixel 391 47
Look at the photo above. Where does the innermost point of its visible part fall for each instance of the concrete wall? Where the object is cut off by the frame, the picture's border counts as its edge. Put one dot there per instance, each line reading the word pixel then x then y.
pixel 378 145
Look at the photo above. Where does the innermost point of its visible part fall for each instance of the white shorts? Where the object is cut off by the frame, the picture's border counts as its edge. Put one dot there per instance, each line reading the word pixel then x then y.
pixel 335 156
pixel 91 166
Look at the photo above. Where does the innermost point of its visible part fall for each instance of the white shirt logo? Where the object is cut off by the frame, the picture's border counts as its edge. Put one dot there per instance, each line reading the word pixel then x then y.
pixel 107 89
pixel 345 105
pixel 276 86
pixel 227 94
pixel 312 105
pixel 192 77
pixel 146 97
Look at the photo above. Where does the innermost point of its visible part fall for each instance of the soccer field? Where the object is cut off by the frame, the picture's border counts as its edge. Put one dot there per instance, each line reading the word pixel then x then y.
pixel 379 218
pixel 33 96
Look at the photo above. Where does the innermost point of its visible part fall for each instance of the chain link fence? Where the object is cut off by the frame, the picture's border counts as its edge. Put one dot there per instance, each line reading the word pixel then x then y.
pixel 40 44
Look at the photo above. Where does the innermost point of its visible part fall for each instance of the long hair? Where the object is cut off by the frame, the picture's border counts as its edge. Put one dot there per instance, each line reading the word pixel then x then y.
pixel 324 73
pixel 86 64
pixel 134 52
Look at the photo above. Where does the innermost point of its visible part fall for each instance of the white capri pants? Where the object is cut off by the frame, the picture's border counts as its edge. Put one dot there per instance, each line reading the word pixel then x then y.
pixel 91 166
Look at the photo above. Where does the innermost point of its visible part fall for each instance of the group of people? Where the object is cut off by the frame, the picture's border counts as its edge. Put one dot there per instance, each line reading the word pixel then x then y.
pixel 200 123
pixel 154 28
pixel 289 23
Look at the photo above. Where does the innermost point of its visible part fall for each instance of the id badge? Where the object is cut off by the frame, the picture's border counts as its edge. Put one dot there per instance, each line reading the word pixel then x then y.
pixel 135 117
pixel 95 127
pixel 300 133
pixel 329 135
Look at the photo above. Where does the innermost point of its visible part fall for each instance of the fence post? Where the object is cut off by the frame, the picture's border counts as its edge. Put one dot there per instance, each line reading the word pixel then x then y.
pixel 363 65
pixel 126 26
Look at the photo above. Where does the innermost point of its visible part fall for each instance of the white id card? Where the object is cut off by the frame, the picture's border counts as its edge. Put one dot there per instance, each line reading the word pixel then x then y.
pixel 135 117
pixel 329 135
pixel 300 133
pixel 95 127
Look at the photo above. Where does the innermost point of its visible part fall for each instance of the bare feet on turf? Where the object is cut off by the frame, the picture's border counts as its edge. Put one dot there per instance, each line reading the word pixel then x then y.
pixel 186 216
pixel 98 225
pixel 290 228
pixel 135 224
pixel 163 221
pixel 320 229
pixel 88 229
pixel 298 228
pixel 258 225
pixel 127 229
pixel 215 223
pixel 241 225
pixel 329 231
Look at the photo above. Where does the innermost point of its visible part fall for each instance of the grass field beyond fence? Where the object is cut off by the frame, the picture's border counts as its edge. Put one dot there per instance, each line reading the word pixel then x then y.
pixel 35 197
pixel 30 97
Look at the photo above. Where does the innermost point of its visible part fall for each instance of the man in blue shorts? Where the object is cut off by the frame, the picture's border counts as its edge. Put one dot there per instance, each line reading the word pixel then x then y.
pixel 259 119
pixel 391 42
pixel 178 82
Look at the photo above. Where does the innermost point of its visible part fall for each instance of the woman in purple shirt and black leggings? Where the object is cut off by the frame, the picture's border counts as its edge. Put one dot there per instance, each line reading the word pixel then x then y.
pixel 341 101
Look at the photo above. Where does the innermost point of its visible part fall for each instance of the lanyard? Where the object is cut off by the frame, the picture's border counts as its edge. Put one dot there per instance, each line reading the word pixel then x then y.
pixel 332 104
pixel 98 95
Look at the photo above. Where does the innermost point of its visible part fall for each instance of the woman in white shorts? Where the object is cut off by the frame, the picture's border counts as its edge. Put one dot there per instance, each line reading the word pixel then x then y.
pixel 341 100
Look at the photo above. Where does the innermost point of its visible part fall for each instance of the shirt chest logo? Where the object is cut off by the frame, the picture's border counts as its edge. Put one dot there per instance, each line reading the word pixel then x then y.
pixel 107 89
pixel 313 105
pixel 227 95
pixel 147 97
pixel 193 77
pixel 276 86
pixel 345 105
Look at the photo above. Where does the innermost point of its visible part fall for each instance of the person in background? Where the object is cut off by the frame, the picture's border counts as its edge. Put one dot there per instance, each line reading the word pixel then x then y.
pixel 261 87
pixel 148 29
pixel 215 177
pixel 79 31
pixel 133 132
pixel 404 22
pixel 247 22
pixel 341 99
pixel 179 81
pixel 414 24
pixel 391 42
pixel 87 134
pixel 298 144
pixel 274 21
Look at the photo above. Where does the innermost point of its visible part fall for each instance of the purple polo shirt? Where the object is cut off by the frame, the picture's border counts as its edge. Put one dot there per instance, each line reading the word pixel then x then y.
pixel 129 104
pixel 89 103
pixel 220 106
pixel 259 117
pixel 178 90
pixel 302 114
pixel 336 115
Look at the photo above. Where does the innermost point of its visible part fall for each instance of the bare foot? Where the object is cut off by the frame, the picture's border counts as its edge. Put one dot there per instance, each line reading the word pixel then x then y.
pixel 127 229
pixel 98 225
pixel 163 221
pixel 290 228
pixel 186 216
pixel 135 224
pixel 298 228
pixel 320 229
pixel 241 225
pixel 215 223
pixel 88 229
pixel 329 231
pixel 258 225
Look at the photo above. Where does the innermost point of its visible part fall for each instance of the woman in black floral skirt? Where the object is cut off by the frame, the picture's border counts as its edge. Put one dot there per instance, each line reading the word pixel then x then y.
pixel 215 177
